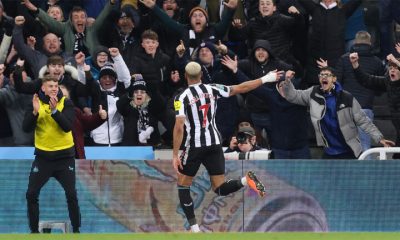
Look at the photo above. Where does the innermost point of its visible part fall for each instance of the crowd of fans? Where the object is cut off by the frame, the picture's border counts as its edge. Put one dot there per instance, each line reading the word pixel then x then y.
pixel 122 62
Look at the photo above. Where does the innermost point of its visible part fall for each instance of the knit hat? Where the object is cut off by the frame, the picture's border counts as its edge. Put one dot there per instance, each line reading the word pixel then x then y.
pixel 198 9
pixel 208 45
pixel 247 130
pixel 108 69
pixel 130 12
pixel 139 85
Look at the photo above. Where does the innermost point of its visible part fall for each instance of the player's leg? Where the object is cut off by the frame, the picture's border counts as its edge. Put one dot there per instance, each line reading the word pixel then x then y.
pixel 190 163
pixel 215 165
pixel 214 162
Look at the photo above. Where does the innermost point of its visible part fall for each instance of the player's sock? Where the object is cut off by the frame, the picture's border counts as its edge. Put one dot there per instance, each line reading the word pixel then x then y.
pixel 228 187
pixel 186 202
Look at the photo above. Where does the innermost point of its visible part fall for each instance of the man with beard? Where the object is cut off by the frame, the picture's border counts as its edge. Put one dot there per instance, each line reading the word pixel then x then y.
pixel 199 30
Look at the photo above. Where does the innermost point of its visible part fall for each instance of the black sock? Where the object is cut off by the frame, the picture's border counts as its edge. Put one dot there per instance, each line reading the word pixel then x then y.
pixel 229 187
pixel 186 202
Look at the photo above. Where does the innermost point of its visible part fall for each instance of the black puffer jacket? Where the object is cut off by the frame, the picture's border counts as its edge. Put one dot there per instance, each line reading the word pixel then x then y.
pixel 345 74
pixel 155 71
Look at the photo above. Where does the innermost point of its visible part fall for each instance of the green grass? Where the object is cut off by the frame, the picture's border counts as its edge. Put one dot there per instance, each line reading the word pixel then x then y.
pixel 207 236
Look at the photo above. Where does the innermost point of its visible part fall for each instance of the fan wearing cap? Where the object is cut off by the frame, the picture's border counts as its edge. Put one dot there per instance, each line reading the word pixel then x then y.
pixel 206 57
pixel 112 86
pixel 200 29
pixel 244 141
pixel 124 33
pixel 141 115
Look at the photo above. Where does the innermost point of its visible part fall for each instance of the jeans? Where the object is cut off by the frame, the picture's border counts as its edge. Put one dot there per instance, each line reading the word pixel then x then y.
pixel 365 139
pixel 301 153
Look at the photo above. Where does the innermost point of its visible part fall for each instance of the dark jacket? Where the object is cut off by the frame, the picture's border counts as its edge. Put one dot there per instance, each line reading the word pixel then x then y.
pixel 155 71
pixel 382 83
pixel 254 69
pixel 328 29
pixel 276 29
pixel 212 32
pixel 289 120
pixel 345 74
pixel 131 117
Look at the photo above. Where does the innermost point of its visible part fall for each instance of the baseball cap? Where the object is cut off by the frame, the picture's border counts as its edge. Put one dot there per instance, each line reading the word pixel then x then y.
pixel 247 130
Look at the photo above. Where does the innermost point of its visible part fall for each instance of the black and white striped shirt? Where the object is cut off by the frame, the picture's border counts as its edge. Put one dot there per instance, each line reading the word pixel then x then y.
pixel 198 103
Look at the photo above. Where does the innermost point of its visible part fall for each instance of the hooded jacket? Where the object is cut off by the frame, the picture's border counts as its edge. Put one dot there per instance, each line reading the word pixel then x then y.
pixel 254 69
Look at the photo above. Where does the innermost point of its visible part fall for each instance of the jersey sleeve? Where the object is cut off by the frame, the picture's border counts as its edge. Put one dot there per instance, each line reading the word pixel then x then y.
pixel 222 90
pixel 179 106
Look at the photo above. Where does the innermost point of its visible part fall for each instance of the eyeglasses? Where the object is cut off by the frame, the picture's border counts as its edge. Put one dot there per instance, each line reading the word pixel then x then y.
pixel 325 75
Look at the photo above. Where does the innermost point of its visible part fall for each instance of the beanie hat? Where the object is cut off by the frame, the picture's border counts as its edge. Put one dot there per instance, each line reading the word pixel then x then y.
pixel 130 12
pixel 108 69
pixel 198 9
pixel 139 85
pixel 208 45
